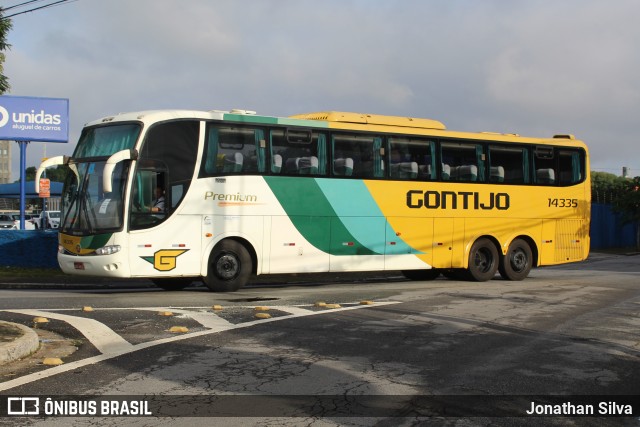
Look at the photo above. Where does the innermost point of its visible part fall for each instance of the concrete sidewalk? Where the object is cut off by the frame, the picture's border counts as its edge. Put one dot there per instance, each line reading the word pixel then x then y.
pixel 16 341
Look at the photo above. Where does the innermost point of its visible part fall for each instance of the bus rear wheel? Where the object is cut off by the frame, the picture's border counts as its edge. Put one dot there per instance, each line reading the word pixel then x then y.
pixel 517 263
pixel 483 260
pixel 229 267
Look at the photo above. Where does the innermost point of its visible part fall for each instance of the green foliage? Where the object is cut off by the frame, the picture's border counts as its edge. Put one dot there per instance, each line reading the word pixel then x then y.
pixel 606 187
pixel 54 174
pixel 623 194
pixel 628 201
pixel 5 27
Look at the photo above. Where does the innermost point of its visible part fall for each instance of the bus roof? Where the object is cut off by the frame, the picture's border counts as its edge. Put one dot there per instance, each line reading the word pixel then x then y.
pixel 333 119
pixel 372 119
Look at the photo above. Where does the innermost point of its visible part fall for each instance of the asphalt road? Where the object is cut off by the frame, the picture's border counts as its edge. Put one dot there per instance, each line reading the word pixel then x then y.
pixel 568 330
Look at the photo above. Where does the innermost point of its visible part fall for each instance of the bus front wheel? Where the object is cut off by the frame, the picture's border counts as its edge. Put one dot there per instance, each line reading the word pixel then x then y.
pixel 483 260
pixel 517 263
pixel 229 267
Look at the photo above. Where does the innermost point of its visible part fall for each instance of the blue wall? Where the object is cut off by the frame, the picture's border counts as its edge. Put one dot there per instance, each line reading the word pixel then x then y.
pixel 38 249
pixel 608 231
pixel 28 248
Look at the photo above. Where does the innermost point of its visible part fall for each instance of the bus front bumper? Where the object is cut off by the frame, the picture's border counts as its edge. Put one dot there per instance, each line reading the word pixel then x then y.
pixel 93 265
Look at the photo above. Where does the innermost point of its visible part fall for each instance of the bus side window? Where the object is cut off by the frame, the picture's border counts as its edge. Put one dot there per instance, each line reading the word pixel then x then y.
pixel 570 167
pixel 508 165
pixel 411 158
pixel 465 162
pixel 234 150
pixel 544 165
pixel 357 155
pixel 297 152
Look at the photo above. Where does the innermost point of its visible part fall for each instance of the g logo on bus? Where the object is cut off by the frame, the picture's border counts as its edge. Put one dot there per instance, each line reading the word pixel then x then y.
pixel 164 259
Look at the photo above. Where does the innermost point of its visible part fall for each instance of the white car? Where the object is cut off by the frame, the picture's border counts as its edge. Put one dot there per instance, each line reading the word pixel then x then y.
pixel 28 221
pixel 48 219
pixel 6 222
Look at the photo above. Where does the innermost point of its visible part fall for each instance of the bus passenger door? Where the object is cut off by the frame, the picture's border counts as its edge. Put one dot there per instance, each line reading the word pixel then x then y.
pixel 442 242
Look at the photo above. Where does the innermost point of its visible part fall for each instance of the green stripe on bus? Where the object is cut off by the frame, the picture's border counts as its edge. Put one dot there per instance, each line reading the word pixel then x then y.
pixel 95 242
pixel 250 118
pixel 313 216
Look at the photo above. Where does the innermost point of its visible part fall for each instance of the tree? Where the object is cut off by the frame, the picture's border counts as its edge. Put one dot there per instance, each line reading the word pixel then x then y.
pixel 623 194
pixel 54 174
pixel 605 187
pixel 5 26
pixel 628 204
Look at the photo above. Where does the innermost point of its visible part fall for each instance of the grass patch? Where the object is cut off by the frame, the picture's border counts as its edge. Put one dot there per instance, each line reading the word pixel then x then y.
pixel 6 272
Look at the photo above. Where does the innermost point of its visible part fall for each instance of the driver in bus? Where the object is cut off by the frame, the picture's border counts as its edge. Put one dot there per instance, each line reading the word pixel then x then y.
pixel 158 203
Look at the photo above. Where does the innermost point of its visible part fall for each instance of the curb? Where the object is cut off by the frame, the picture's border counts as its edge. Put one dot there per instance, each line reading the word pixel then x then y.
pixel 20 347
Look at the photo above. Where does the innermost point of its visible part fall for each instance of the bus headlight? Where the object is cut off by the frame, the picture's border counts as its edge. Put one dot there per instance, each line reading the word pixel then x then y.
pixel 108 250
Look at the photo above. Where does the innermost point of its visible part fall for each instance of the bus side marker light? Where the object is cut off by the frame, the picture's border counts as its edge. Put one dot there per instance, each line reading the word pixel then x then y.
pixel 367 302
pixel 261 308
pixel 165 313
pixel 179 329
pixel 216 307
pixel 87 308
pixel 263 315
pixel 208 235
pixel 52 361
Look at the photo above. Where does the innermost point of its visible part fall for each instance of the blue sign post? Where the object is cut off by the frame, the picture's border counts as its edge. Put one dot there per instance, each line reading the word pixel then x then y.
pixel 24 119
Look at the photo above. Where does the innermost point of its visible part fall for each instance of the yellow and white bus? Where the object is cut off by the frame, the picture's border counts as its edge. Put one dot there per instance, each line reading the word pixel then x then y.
pixel 176 196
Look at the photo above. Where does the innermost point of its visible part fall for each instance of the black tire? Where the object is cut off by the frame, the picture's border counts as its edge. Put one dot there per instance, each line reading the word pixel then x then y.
pixel 483 260
pixel 172 284
pixel 517 263
pixel 430 274
pixel 229 267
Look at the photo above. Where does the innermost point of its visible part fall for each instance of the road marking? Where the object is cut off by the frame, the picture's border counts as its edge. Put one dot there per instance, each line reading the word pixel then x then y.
pixel 99 334
pixel 208 320
pixel 130 348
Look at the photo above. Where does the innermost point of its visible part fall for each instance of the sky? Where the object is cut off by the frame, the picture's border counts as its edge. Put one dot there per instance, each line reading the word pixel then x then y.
pixel 532 67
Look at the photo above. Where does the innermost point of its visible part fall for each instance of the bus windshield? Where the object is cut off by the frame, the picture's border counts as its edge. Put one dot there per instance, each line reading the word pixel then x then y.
pixel 105 140
pixel 86 208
